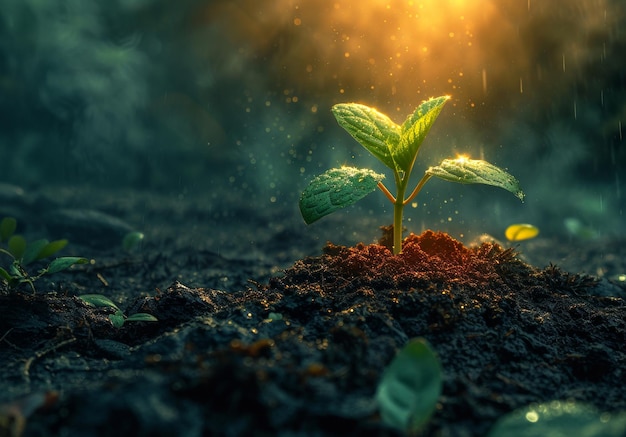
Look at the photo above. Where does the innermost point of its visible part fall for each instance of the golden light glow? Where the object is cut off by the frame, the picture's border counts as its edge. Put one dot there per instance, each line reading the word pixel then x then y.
pixel 414 47
pixel 396 53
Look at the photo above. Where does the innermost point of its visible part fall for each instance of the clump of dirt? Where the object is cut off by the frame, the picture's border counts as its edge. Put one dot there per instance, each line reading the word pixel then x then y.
pixel 302 354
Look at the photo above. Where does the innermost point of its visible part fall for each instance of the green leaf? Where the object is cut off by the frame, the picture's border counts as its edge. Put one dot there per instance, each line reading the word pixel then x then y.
pixel 414 130
pixel 64 262
pixel 410 387
pixel 51 248
pixel 32 250
pixel 132 240
pixel 17 246
pixel 16 271
pixel 336 189
pixel 559 419
pixel 372 129
pixel 476 171
pixel 521 231
pixel 142 317
pixel 117 319
pixel 4 274
pixel 7 228
pixel 98 300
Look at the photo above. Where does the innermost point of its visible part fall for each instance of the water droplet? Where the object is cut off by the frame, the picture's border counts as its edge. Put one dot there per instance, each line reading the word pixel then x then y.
pixel 532 416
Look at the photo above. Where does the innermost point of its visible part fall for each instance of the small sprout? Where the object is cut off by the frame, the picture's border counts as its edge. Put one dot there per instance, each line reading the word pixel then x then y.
pixel 64 263
pixel 410 388
pixel 98 300
pixel 520 232
pixel 132 240
pixel 141 317
pixel 577 229
pixel 118 318
pixel 396 146
pixel 23 253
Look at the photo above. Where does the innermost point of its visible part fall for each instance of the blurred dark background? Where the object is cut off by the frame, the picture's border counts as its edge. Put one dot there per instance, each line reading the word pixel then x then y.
pixel 232 98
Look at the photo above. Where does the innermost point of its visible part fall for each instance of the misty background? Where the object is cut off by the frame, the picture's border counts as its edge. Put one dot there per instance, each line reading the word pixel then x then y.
pixel 212 99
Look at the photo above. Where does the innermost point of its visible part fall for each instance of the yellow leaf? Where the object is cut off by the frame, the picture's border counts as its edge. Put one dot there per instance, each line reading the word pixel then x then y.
pixel 521 231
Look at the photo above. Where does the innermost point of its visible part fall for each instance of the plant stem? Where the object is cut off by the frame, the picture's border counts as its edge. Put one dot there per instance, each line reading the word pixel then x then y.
pixel 398 208
pixel 397 226
pixel 398 205
pixel 418 188
pixel 386 192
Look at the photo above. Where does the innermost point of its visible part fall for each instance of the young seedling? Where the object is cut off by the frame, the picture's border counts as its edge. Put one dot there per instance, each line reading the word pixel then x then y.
pixel 132 241
pixel 118 318
pixel 396 147
pixel 410 387
pixel 23 253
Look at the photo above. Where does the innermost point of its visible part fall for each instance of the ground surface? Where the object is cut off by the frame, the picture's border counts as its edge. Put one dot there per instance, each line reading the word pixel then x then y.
pixel 284 335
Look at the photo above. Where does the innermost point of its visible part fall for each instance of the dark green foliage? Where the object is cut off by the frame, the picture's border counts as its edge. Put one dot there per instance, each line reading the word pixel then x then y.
pixel 23 253
pixel 410 388
pixel 118 318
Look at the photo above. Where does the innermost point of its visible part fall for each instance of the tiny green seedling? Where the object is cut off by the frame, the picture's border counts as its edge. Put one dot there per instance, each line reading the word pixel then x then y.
pixel 23 253
pixel 410 387
pixel 396 147
pixel 132 241
pixel 118 318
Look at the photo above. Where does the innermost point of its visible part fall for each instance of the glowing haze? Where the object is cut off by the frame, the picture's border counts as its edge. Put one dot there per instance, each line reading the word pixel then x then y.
pixel 399 52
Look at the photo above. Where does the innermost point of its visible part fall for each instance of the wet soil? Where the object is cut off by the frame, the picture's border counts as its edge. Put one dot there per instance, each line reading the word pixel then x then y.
pixel 288 344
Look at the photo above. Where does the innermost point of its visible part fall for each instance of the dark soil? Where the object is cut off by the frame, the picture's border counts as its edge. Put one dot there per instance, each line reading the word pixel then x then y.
pixel 301 351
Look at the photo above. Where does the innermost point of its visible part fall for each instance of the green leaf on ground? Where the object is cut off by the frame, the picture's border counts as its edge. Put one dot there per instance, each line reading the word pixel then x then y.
pixel 65 262
pixel 336 189
pixel 476 171
pixel 98 300
pixel 142 317
pixel 410 387
pixel 372 129
pixel 117 319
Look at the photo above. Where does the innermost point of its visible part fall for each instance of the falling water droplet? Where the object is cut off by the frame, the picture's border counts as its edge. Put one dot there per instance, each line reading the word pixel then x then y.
pixel 602 98
pixel 484 81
